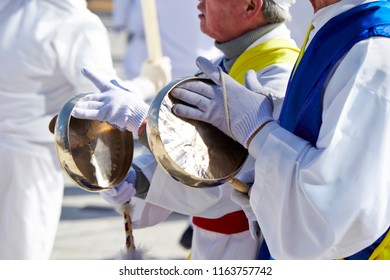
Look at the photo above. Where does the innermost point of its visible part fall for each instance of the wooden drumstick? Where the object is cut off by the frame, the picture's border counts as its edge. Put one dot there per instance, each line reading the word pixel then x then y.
pixel 239 185
pixel 130 247
pixel 131 252
pixel 151 28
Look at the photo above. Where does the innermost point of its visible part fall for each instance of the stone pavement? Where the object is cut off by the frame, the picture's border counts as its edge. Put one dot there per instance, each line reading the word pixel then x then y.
pixel 90 229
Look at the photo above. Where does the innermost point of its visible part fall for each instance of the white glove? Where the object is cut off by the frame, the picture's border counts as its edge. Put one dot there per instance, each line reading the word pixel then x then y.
pixel 114 105
pixel 234 109
pixel 123 192
pixel 158 72
pixel 242 199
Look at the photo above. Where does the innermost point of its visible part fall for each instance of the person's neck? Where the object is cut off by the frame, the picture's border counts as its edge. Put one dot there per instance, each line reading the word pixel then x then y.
pixel 234 48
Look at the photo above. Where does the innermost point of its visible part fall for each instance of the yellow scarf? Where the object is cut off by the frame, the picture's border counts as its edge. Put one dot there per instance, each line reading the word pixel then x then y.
pixel 274 51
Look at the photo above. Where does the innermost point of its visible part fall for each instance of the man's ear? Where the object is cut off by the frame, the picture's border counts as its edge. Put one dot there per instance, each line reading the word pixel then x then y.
pixel 253 8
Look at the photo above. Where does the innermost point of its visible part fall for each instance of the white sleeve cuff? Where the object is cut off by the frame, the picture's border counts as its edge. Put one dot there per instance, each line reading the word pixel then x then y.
pixel 260 138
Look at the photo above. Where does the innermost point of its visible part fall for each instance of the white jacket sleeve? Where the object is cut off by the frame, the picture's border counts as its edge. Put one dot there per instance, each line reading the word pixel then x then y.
pixel 144 213
pixel 166 195
pixel 211 202
pixel 83 42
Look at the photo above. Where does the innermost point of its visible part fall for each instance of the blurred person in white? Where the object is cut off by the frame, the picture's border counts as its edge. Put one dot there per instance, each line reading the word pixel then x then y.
pixel 181 38
pixel 251 35
pixel 44 45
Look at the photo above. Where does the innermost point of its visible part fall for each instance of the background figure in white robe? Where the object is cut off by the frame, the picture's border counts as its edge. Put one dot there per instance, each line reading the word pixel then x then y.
pixel 181 38
pixel 44 45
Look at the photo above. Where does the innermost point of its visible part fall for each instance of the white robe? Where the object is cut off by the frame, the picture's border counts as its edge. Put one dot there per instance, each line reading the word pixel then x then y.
pixel 331 201
pixel 44 44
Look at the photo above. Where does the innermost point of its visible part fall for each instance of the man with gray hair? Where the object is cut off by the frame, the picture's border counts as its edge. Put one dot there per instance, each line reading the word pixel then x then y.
pixel 244 30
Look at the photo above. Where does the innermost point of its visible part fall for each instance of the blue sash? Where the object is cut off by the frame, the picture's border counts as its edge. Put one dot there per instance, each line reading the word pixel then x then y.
pixel 302 107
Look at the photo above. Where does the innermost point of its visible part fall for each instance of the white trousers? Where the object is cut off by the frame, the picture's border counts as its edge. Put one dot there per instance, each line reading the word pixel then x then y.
pixel 208 245
pixel 31 192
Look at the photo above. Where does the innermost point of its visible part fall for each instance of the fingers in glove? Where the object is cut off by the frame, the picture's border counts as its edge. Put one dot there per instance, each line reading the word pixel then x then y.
pixel 252 82
pixel 121 195
pixel 86 113
pixel 91 98
pixel 123 192
pixel 88 107
pixel 191 98
pixel 188 112
pixel 203 88
pixel 98 80
pixel 96 105
pixel 209 69
pixel 191 105
pixel 92 107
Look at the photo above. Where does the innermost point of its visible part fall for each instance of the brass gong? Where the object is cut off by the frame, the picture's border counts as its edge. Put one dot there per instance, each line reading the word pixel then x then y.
pixel 95 155
pixel 192 152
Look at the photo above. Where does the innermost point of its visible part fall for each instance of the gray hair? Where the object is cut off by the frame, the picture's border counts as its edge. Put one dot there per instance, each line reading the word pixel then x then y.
pixel 273 13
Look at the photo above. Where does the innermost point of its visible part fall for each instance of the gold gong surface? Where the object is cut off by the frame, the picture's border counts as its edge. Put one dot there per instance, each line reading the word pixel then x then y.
pixel 95 155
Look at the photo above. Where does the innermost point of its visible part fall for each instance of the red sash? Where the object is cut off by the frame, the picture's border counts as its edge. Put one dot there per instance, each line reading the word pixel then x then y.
pixel 231 223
